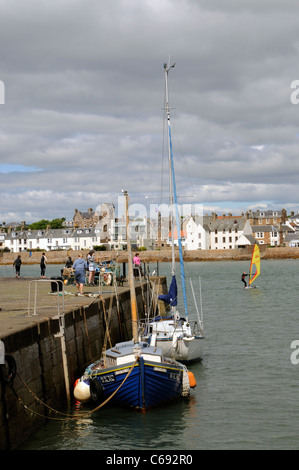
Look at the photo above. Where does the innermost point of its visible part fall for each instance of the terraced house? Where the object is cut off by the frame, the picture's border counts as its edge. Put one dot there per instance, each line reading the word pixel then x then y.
pixel 200 233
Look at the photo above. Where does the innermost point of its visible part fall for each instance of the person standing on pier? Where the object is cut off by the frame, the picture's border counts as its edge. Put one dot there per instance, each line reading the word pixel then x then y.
pixel 43 262
pixel 17 265
pixel 80 266
pixel 91 267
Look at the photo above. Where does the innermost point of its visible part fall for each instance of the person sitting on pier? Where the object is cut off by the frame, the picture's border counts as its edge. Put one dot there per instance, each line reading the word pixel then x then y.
pixel 137 265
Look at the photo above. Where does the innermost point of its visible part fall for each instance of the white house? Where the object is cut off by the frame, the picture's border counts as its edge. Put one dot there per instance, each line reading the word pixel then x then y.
pixel 292 239
pixel 216 233
pixel 58 239
pixel 86 238
pixel 197 233
pixel 226 230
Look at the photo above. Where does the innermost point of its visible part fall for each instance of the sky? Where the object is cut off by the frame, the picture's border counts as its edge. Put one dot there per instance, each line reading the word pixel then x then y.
pixel 81 116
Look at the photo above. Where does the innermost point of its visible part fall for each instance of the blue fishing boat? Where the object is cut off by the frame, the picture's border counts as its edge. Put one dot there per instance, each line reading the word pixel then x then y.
pixel 133 373
pixel 139 377
pixel 179 335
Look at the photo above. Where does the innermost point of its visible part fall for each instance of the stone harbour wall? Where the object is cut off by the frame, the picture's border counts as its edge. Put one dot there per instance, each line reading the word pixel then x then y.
pixel 164 255
pixel 38 355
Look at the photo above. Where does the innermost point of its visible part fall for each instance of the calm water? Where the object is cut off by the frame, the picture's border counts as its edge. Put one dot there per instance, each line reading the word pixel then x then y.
pixel 246 394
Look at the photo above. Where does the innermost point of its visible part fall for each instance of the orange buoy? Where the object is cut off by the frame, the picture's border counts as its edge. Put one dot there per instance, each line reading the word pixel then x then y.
pixel 192 380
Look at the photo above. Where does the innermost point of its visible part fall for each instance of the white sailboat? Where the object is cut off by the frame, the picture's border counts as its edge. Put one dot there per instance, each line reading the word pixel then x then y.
pixel 178 335
pixel 134 374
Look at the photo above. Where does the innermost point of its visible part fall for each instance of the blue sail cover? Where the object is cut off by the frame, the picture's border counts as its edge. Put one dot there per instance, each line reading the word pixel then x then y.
pixel 172 297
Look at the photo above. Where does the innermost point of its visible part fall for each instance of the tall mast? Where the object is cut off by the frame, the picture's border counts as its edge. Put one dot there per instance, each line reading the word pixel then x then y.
pixel 131 277
pixel 171 201
pixel 174 195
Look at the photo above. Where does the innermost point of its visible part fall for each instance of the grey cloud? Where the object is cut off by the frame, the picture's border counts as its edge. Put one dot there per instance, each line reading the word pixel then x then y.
pixel 84 92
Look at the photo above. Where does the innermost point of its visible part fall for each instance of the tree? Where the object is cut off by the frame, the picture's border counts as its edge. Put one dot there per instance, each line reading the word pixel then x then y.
pixel 43 224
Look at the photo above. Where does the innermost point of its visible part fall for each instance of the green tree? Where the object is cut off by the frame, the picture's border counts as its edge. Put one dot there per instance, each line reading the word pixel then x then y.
pixel 44 223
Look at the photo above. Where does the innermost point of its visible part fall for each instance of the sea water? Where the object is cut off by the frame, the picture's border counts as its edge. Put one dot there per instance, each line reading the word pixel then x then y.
pixel 247 383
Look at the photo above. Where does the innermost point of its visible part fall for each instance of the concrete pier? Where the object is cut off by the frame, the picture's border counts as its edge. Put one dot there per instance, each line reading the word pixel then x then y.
pixel 32 338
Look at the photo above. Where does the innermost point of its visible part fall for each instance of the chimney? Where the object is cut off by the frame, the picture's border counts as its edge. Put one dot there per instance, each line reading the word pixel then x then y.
pixel 283 216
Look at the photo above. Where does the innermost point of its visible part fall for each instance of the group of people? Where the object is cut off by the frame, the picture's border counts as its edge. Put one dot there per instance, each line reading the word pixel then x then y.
pixel 80 266
pixel 18 262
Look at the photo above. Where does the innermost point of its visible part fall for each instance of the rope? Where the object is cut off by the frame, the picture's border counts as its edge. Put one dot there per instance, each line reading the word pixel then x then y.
pixel 42 403
pixel 115 391
pixel 66 416
pixel 87 335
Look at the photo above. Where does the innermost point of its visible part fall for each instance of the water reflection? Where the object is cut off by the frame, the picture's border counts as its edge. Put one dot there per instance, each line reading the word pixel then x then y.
pixel 246 385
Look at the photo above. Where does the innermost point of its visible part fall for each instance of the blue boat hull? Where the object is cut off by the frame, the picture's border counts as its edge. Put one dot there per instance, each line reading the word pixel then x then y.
pixel 148 384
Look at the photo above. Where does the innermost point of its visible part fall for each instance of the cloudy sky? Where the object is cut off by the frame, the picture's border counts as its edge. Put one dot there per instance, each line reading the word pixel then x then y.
pixel 84 91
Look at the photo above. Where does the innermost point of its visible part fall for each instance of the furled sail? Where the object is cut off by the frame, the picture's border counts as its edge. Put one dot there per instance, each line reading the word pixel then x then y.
pixel 172 296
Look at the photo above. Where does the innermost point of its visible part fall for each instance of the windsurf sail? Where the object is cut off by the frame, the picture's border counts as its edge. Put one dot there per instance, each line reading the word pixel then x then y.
pixel 255 265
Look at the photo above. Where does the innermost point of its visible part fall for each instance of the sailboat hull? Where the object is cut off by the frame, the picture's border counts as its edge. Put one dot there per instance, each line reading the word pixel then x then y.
pixel 185 349
pixel 177 340
pixel 140 385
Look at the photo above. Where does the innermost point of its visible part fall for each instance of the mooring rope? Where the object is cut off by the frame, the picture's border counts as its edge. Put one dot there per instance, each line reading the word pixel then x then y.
pixel 67 416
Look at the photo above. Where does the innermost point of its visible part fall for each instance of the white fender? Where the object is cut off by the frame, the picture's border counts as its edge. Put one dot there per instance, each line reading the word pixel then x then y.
pixel 175 340
pixel 82 391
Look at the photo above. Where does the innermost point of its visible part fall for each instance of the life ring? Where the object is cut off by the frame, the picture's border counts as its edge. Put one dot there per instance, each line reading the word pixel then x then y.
pixel 8 370
pixel 96 390
pixel 107 279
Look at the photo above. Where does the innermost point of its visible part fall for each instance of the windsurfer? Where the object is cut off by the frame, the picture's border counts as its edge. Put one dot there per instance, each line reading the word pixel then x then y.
pixel 243 279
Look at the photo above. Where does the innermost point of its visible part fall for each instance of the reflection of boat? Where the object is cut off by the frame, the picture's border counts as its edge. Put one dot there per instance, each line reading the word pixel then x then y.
pixel 133 373
pixel 179 337
pixel 255 266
